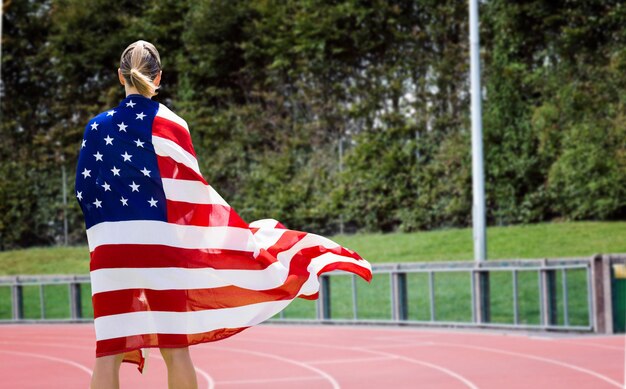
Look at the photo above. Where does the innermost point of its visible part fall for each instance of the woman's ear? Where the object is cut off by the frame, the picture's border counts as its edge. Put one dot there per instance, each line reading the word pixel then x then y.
pixel 119 75
pixel 157 79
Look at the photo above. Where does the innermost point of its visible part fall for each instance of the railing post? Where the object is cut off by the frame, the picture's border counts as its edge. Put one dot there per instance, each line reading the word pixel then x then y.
pixel 76 307
pixel 481 285
pixel 431 294
pixel 355 305
pixel 565 297
pixel 17 300
pixel 601 294
pixel 323 312
pixel 42 302
pixel 515 298
pixel 608 294
pixel 548 294
pixel 401 305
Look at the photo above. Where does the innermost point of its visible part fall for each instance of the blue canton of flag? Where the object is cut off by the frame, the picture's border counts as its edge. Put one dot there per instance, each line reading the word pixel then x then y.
pixel 117 177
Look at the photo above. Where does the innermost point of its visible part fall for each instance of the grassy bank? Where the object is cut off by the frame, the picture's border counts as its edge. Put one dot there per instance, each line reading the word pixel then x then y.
pixel 548 240
pixel 545 240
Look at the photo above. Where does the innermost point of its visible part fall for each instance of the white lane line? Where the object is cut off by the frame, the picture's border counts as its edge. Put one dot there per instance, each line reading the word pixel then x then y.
pixel 536 358
pixel 442 369
pixel 351 360
pixel 49 358
pixel 204 374
pixel 270 380
pixel 598 345
pixel 48 344
pixel 399 345
pixel 305 365
pixel 402 338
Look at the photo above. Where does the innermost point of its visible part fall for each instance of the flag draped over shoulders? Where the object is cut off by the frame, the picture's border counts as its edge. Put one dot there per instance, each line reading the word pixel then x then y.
pixel 172 264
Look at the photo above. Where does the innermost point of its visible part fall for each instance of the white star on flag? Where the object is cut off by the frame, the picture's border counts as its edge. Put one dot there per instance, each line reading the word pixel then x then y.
pixel 111 112
pixel 116 171
pixel 84 143
pixel 94 126
pixel 109 140
pixel 140 116
pixel 97 203
pixel 124 201
pixel 153 202
pixel 139 143
pixel 98 156
pixel 135 187
pixel 126 156
pixel 145 172
pixel 85 173
pixel 122 127
pixel 106 187
pixel 79 195
pixel 130 104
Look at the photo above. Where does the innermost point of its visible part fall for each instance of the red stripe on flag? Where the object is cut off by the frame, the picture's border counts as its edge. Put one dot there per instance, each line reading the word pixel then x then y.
pixel 168 129
pixel 319 250
pixel 187 300
pixel 130 344
pixel 287 240
pixel 133 300
pixel 290 237
pixel 360 271
pixel 204 215
pixel 158 256
pixel 169 168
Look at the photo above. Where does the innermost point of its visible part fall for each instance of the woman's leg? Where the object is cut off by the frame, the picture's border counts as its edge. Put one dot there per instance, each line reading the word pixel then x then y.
pixel 180 371
pixel 106 372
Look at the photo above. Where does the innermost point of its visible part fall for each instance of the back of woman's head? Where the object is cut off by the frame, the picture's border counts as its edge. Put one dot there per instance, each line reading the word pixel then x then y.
pixel 140 64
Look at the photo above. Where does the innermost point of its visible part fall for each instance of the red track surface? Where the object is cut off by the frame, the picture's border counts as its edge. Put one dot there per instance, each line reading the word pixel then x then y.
pixel 62 356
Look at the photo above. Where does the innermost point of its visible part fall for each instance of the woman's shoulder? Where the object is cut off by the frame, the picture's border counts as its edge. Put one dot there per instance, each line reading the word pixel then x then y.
pixel 166 113
pixel 101 120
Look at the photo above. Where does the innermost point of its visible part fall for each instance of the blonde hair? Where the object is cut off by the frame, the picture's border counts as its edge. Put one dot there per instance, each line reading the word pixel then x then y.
pixel 140 64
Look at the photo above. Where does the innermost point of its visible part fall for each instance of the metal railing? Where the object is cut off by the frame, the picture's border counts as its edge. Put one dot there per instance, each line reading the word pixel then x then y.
pixel 591 302
pixel 74 301
pixel 400 303
pixel 588 309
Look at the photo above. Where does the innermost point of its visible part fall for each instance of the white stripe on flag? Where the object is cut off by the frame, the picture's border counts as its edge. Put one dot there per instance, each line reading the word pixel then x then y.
pixel 193 322
pixel 167 148
pixel 266 238
pixel 167 113
pixel 264 223
pixel 164 278
pixel 312 285
pixel 168 234
pixel 191 192
pixel 310 240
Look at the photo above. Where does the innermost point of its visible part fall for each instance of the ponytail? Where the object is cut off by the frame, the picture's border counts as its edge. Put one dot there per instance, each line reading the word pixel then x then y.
pixel 140 64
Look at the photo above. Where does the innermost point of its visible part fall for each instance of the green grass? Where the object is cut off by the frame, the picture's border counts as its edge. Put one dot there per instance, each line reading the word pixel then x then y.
pixel 45 260
pixel 452 290
pixel 546 240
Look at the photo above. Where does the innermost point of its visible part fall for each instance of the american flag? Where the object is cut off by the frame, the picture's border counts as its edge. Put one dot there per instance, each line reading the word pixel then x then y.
pixel 172 264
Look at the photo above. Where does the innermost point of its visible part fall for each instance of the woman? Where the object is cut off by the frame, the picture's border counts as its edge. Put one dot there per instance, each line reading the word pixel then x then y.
pixel 172 264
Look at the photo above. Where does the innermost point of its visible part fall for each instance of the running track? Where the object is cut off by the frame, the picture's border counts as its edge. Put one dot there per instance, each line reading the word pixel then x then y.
pixel 277 357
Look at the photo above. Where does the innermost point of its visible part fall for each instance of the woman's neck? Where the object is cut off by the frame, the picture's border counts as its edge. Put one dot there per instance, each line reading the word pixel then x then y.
pixel 131 90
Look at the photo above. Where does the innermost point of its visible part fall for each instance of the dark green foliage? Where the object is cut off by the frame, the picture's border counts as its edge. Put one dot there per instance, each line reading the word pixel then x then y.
pixel 554 109
pixel 269 87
